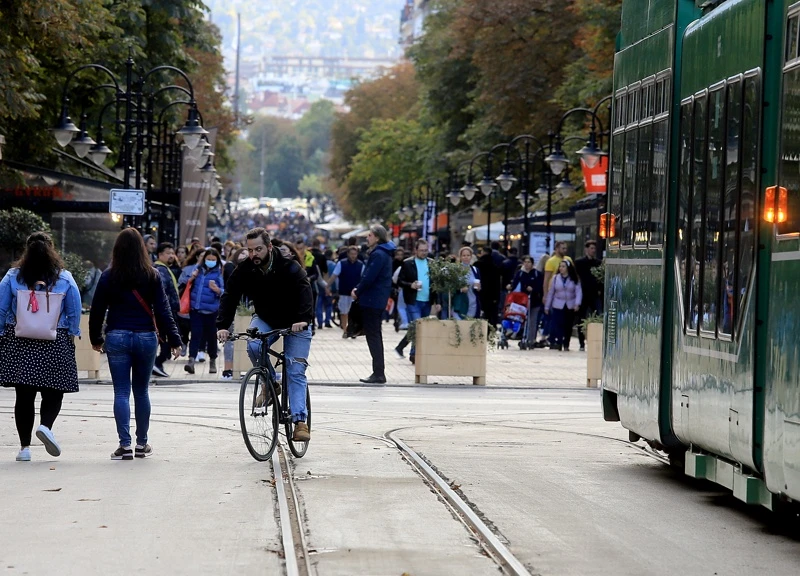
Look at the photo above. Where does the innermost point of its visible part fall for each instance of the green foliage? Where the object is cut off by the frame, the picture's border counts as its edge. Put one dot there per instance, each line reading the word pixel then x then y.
pixel 74 264
pixel 390 153
pixel 599 272
pixel 447 277
pixel 15 227
pixel 42 43
pixel 289 150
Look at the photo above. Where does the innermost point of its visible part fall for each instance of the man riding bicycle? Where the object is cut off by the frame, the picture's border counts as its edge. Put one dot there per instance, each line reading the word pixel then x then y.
pixel 281 295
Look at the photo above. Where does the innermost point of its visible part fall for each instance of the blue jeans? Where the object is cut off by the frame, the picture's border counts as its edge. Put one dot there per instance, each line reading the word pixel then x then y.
pixel 297 345
pixel 131 352
pixel 416 311
pixel 324 304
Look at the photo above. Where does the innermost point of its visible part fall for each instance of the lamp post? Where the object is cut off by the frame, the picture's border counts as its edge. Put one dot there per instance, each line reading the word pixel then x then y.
pixel 137 98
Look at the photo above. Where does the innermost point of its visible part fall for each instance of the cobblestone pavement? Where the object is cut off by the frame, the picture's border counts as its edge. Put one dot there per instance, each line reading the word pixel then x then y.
pixel 334 360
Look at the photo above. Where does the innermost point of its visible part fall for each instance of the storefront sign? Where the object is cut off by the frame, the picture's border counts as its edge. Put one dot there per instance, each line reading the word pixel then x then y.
pixel 594 179
pixel 126 202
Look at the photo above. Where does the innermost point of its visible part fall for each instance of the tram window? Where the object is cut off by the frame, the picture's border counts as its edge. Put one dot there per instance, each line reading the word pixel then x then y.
pixel 792 30
pixel 696 239
pixel 659 95
pixel 621 108
pixel 628 187
pixel 790 150
pixel 617 172
pixel 684 208
pixel 633 104
pixel 644 161
pixel 711 266
pixel 730 203
pixel 750 180
pixel 658 192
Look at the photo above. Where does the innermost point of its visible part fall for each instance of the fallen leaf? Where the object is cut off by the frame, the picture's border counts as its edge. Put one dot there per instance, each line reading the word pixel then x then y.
pixel 89 500
pixel 52 490
pixel 103 526
pixel 52 467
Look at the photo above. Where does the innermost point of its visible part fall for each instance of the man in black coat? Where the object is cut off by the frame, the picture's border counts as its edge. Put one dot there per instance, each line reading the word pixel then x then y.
pixel 281 295
pixel 590 287
pixel 490 285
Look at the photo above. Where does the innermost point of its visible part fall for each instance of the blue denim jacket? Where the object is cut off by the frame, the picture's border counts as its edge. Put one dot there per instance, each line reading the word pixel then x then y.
pixel 70 309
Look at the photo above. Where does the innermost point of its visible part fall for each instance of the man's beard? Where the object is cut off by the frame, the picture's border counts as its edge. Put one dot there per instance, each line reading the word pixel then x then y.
pixel 257 261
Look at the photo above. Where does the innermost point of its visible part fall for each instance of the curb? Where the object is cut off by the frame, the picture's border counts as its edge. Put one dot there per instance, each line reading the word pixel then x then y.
pixel 236 383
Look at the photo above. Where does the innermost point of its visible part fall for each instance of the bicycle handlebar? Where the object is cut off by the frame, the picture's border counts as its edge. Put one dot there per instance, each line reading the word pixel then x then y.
pixel 255 334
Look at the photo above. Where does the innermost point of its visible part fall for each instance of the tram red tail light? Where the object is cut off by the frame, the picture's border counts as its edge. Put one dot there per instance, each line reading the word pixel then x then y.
pixel 608 225
pixel 783 205
pixel 776 212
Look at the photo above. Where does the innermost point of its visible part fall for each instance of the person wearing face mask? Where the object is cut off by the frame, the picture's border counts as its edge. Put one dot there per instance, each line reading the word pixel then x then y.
pixel 207 288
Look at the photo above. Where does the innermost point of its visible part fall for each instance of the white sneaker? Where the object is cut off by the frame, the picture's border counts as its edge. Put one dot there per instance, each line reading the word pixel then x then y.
pixel 201 357
pixel 44 434
pixel 24 455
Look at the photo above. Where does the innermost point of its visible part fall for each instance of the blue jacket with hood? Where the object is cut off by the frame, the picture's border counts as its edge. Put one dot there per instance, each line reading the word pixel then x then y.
pixel 376 283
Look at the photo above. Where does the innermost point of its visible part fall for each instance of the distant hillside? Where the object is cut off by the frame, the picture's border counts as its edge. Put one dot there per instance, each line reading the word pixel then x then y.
pixel 355 28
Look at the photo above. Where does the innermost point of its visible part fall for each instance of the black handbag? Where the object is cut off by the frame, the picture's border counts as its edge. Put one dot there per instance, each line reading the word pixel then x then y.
pixel 355 321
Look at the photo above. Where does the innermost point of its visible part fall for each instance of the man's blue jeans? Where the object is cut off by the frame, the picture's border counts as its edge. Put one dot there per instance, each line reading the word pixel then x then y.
pixel 416 311
pixel 131 353
pixel 295 346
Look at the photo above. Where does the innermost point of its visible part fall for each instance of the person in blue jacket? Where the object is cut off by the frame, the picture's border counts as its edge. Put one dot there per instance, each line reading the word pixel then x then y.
pixel 34 366
pixel 372 294
pixel 207 288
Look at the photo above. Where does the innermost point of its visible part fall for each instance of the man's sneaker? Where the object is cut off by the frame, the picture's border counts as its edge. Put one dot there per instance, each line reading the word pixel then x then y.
pixel 24 454
pixel 143 451
pixel 44 434
pixel 399 352
pixel 159 371
pixel 328 325
pixel 122 453
pixel 301 432
pixel 582 348
pixel 201 357
pixel 184 350
pixel 212 366
pixel 189 366
pixel 227 374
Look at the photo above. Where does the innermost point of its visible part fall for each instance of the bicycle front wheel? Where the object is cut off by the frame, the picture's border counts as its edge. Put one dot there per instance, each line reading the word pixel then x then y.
pixel 258 414
pixel 299 448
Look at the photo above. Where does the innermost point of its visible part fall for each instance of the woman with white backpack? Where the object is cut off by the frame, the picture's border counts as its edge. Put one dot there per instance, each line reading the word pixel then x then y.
pixel 40 304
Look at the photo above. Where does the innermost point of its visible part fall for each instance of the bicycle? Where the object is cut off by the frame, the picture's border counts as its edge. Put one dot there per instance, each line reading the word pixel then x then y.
pixel 261 411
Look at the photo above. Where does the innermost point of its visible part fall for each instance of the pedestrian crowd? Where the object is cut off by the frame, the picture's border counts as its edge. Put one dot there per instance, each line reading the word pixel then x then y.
pixel 156 302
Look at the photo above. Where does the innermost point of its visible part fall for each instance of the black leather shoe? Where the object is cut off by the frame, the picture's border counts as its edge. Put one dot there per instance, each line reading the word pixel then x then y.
pixel 374 380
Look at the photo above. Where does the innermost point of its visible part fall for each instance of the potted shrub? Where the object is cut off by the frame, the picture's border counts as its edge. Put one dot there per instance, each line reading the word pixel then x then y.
pixel 593 328
pixel 449 347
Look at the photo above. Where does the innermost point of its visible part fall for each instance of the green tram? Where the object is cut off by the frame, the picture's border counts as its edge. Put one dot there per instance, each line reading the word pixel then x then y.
pixel 702 301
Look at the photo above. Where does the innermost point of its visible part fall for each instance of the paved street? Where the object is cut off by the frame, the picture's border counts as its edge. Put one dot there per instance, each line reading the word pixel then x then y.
pixel 340 361
pixel 559 486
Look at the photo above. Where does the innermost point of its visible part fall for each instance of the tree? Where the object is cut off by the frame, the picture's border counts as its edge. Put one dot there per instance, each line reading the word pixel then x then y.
pixel 391 96
pixel 15 227
pixel 391 160
pixel 589 77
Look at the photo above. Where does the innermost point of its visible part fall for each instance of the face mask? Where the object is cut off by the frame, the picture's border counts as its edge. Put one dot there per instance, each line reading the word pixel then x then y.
pixel 211 263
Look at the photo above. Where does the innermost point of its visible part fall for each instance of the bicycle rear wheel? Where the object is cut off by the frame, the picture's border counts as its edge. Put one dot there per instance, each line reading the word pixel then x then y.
pixel 258 414
pixel 299 448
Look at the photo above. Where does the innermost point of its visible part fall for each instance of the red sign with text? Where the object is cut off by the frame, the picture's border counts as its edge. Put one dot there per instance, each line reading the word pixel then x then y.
pixel 594 179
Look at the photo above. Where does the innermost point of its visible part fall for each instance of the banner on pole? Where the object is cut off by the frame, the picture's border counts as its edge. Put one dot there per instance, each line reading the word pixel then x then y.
pixel 195 198
pixel 594 179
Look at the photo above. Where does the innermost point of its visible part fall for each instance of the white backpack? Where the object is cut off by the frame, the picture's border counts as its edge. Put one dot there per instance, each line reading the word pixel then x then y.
pixel 38 313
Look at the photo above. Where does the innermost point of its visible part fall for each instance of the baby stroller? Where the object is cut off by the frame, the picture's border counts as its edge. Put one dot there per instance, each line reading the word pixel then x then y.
pixel 515 319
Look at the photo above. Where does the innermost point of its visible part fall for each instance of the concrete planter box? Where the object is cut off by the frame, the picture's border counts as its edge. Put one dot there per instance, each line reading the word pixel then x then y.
pixel 594 354
pixel 241 362
pixel 437 355
pixel 87 359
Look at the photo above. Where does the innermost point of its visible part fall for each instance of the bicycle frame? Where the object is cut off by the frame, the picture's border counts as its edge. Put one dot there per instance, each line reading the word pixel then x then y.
pixel 284 416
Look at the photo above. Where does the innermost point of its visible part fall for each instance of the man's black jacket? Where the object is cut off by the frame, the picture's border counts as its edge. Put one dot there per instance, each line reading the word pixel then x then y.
pixel 281 297
pixel 407 276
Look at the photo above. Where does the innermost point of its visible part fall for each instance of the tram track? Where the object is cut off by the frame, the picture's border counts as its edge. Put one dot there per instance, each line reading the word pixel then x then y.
pixel 289 507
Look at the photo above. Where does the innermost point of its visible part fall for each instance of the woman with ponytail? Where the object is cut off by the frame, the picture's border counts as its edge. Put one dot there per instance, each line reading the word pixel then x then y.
pixel 34 365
